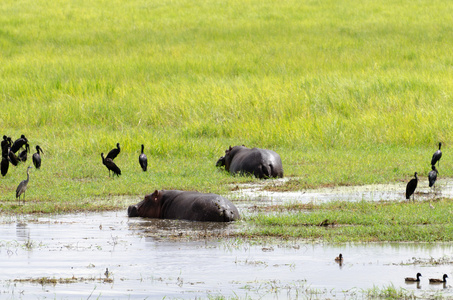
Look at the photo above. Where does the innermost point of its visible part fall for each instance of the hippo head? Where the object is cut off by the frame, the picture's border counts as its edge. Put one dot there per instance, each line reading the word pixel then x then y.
pixel 228 158
pixel 150 207
pixel 220 162
pixel 229 154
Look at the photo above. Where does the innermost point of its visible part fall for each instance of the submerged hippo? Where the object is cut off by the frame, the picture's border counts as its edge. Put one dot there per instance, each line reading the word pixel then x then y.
pixel 184 205
pixel 262 163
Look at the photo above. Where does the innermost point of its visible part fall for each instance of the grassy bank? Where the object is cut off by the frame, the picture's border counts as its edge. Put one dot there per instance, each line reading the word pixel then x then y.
pixel 348 92
pixel 357 222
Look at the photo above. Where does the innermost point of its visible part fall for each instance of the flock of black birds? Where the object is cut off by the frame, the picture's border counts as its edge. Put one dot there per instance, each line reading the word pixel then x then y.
pixel 111 166
pixel 9 150
pixel 432 175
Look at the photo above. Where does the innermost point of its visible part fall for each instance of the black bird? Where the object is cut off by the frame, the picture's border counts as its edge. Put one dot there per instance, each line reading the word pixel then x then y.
pixel 6 143
pixel 22 187
pixel 4 165
pixel 436 156
pixel 143 160
pixel 411 186
pixel 37 158
pixel 412 279
pixel 13 158
pixel 23 154
pixel 436 280
pixel 114 152
pixel 432 175
pixel 19 143
pixel 111 166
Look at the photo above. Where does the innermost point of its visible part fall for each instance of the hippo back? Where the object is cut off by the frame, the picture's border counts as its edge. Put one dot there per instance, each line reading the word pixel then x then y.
pixel 197 207
pixel 262 163
pixel 194 206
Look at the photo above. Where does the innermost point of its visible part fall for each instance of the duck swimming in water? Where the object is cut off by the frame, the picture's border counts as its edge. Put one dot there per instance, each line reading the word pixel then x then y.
pixel 412 279
pixel 436 280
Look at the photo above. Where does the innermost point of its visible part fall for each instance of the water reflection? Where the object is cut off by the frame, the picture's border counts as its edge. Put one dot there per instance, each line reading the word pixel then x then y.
pixel 179 228
pixel 22 232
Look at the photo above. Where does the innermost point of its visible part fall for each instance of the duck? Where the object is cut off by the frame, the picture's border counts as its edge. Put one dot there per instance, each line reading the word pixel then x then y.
pixel 339 258
pixel 437 280
pixel 412 279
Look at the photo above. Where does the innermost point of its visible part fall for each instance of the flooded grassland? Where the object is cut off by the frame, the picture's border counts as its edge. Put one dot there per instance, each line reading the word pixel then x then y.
pixel 109 256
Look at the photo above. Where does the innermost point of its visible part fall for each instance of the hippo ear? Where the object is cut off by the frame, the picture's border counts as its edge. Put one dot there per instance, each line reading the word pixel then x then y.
pixel 155 195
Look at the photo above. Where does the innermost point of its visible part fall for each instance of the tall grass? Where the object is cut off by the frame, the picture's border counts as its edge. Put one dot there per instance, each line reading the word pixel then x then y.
pixel 309 79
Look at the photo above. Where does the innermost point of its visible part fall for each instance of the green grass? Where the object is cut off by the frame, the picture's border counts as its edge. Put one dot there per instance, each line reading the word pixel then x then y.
pixel 357 221
pixel 348 92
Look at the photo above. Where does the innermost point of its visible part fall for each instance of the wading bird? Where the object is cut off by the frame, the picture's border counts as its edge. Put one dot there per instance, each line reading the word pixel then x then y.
pixel 19 143
pixel 13 158
pixel 111 166
pixel 143 160
pixel 23 154
pixel 37 158
pixel 6 143
pixel 432 176
pixel 411 186
pixel 436 156
pixel 4 166
pixel 114 152
pixel 412 279
pixel 22 187
pixel 437 280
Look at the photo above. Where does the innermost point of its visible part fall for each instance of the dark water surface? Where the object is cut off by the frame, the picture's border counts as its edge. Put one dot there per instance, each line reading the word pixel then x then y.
pixel 152 259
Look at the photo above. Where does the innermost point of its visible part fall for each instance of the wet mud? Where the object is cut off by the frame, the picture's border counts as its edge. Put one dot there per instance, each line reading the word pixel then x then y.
pixel 67 256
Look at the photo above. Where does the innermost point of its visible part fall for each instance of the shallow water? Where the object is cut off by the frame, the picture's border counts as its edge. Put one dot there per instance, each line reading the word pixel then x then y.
pixel 151 258
pixel 262 195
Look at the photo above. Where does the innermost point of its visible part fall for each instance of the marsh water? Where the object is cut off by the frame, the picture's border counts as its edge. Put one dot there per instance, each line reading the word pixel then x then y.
pixel 264 194
pixel 66 257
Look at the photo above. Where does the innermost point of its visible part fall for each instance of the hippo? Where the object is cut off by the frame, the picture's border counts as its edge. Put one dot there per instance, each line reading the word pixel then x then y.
pixel 262 163
pixel 185 205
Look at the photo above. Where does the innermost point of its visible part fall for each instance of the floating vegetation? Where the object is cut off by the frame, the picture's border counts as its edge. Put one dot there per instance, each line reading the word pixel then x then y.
pixel 54 281
pixel 444 260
